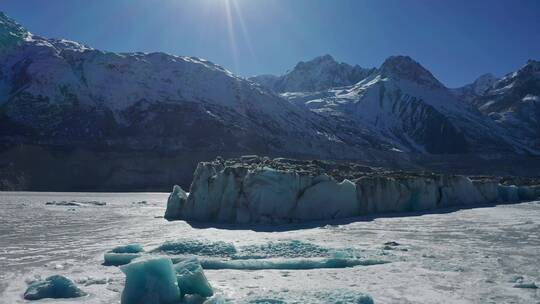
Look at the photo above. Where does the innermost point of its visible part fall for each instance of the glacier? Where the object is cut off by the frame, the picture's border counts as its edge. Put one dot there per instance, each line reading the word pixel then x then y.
pixel 264 190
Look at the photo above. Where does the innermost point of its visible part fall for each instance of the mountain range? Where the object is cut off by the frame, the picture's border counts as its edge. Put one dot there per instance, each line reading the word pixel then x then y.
pixel 76 118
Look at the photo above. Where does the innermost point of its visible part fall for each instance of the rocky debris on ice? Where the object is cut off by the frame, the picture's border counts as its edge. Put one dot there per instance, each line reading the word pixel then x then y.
pixel 262 190
pixel 54 287
pixel 76 203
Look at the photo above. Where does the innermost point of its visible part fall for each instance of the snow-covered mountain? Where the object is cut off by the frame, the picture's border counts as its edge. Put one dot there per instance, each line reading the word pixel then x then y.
pixel 513 102
pixel 63 93
pixel 407 109
pixel 321 73
pixel 477 88
pixel 72 113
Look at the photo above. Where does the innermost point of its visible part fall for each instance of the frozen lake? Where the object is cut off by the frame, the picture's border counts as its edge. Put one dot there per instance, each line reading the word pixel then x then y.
pixel 463 256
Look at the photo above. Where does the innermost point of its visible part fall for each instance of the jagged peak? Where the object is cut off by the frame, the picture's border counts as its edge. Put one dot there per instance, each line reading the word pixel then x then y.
pixel 407 68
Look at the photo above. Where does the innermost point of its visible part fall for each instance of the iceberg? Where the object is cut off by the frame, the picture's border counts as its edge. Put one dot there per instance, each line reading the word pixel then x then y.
pixel 55 287
pixel 191 278
pixel 264 190
pixel 152 280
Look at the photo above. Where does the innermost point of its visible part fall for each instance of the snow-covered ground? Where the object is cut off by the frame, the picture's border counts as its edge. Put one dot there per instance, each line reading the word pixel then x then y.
pixel 465 256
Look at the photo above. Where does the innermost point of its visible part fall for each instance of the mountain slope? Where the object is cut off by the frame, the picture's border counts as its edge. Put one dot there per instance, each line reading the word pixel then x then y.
pixel 513 102
pixel 65 93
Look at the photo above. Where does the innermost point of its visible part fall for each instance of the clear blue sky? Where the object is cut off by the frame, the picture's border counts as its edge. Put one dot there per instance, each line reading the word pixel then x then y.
pixel 457 40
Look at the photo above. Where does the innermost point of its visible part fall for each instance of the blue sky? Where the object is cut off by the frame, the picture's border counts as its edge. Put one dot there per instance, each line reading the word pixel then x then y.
pixel 457 40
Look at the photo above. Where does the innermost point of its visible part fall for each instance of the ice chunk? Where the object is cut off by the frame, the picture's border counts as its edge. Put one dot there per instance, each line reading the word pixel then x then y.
pixel 175 202
pixel 151 280
pixel 531 285
pixel 191 278
pixel 291 264
pixel 197 247
pixel 117 259
pixel 55 287
pixel 131 248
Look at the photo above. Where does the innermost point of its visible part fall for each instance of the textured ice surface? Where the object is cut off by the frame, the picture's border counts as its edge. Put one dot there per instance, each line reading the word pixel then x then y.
pixel 131 248
pixel 197 247
pixel 286 249
pixel 55 287
pixel 291 264
pixel 151 280
pixel 191 278
pixel 117 259
pixel 464 256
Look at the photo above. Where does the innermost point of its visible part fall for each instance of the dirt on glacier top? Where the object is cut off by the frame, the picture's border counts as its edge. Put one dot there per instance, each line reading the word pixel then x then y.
pixel 349 170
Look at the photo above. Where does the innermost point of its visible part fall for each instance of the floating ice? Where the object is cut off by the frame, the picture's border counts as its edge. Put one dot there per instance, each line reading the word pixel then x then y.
pixel 290 264
pixel 191 278
pixel 531 285
pixel 131 248
pixel 117 259
pixel 198 247
pixel 151 280
pixel 55 287
pixel 216 300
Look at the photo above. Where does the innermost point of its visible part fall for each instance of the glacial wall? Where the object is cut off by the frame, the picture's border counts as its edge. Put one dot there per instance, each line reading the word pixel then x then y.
pixel 262 190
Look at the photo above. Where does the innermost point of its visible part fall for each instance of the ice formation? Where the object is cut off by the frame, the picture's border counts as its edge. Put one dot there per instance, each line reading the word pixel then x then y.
pixel 174 204
pixel 150 280
pixel 122 255
pixel 197 247
pixel 131 248
pixel 55 287
pixel 191 278
pixel 262 190
pixel 117 259
pixel 288 264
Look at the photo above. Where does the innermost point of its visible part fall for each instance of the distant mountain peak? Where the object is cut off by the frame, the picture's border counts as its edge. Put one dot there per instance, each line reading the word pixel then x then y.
pixel 10 31
pixel 320 73
pixel 407 68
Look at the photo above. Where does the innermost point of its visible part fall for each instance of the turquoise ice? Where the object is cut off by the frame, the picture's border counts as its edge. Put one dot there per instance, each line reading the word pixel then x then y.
pixel 197 247
pixel 191 278
pixel 55 287
pixel 151 280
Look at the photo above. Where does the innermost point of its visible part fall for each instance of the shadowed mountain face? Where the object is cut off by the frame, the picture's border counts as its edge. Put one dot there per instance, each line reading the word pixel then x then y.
pixel 76 118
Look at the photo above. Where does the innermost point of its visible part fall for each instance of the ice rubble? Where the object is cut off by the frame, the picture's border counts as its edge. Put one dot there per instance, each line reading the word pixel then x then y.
pixel 156 280
pixel 55 287
pixel 263 190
